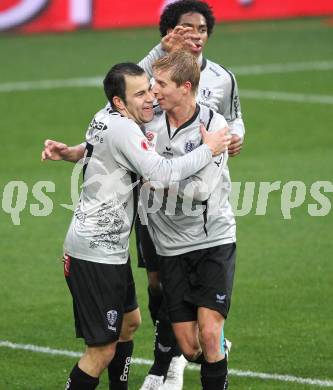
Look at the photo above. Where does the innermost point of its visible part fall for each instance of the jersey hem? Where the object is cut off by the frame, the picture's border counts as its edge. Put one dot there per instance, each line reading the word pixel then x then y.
pixel 228 240
pixel 96 259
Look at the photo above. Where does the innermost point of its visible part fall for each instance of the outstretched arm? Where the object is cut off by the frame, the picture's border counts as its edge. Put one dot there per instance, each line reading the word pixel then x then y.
pixel 56 151
pixel 132 151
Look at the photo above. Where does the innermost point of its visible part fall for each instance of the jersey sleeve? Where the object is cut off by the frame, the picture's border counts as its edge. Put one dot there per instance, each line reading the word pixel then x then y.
pixel 201 185
pixel 147 62
pixel 134 153
pixel 230 107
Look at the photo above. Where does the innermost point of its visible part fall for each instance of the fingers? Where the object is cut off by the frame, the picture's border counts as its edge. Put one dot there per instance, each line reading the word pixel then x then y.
pixel 235 146
pixel 203 130
pixel 234 151
pixel 179 38
pixel 46 154
pixel 48 142
pixel 53 150
pixel 182 30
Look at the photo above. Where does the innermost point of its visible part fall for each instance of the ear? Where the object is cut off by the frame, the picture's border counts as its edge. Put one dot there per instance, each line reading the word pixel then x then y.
pixel 118 103
pixel 187 86
pixel 169 30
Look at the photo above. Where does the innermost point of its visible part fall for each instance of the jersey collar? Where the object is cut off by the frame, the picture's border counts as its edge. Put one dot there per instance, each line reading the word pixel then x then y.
pixel 185 124
pixel 202 62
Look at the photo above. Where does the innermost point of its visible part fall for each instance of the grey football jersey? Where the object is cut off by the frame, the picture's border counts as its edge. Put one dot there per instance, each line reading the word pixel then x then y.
pixel 217 89
pixel 117 150
pixel 200 216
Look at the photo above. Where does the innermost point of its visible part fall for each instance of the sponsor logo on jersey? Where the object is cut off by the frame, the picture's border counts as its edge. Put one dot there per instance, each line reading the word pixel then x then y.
pixel 205 92
pixel 189 146
pixel 215 71
pixel 112 316
pixel 98 125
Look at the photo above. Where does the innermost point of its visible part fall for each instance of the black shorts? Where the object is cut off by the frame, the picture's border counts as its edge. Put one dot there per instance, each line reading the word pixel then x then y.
pixel 147 257
pixel 101 293
pixel 202 278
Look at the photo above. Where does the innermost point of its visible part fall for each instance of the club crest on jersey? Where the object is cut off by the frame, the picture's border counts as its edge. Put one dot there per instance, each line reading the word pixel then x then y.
pixel 189 146
pixel 112 316
pixel 205 93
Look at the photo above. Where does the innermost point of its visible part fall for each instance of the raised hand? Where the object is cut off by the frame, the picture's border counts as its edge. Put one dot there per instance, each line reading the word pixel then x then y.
pixel 180 38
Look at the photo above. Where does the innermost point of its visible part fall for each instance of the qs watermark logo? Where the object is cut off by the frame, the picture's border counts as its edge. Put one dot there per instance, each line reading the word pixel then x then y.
pixel 244 197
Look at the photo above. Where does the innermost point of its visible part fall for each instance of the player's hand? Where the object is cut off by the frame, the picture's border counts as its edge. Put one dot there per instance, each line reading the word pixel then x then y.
pixel 235 145
pixel 54 150
pixel 180 38
pixel 217 141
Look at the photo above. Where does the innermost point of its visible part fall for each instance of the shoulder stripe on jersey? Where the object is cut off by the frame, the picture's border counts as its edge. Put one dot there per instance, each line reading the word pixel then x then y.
pixel 88 153
pixel 211 114
pixel 111 111
pixel 203 64
pixel 204 214
pixel 135 198
pixel 207 123
pixel 232 90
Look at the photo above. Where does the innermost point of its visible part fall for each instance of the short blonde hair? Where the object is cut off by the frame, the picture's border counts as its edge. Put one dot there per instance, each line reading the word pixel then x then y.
pixel 184 67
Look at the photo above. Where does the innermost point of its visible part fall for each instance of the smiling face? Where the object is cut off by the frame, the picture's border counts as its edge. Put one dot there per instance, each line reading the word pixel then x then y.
pixel 139 99
pixel 199 30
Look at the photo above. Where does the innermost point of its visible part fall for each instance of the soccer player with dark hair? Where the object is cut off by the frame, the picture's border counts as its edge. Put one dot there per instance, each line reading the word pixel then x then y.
pixel 186 25
pixel 96 248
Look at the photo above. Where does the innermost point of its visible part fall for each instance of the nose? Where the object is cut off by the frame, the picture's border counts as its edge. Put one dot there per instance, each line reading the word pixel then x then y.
pixel 154 89
pixel 195 34
pixel 150 96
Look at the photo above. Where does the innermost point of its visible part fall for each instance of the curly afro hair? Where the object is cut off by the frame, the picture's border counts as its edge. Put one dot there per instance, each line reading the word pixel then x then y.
pixel 173 12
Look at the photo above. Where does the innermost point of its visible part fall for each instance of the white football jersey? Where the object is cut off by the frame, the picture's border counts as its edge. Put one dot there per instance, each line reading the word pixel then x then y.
pixel 195 213
pixel 116 152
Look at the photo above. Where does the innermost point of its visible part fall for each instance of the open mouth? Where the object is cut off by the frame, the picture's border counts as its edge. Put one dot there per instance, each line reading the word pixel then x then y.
pixel 197 47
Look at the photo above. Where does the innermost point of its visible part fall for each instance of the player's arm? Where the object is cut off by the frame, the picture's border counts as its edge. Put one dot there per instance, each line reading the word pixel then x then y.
pixel 201 185
pixel 147 62
pixel 230 108
pixel 134 153
pixel 54 150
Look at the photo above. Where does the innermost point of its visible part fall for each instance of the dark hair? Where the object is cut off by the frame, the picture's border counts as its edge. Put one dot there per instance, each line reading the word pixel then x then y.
pixel 173 12
pixel 114 82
